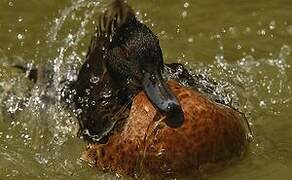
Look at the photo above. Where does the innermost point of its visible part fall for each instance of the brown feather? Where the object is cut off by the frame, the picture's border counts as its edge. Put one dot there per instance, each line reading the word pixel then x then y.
pixel 212 134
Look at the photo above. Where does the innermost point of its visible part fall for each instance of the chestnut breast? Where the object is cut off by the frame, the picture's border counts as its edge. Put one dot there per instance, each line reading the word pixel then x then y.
pixel 211 134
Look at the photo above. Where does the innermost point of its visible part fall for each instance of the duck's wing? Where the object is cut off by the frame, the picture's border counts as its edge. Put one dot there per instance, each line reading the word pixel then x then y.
pixel 116 15
pixel 93 79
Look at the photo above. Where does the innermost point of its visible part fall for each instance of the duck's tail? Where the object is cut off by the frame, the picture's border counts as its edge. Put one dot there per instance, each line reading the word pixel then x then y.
pixel 116 15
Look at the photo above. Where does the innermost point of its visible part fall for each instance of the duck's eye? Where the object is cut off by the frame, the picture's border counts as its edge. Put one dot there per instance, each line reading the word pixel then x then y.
pixel 125 51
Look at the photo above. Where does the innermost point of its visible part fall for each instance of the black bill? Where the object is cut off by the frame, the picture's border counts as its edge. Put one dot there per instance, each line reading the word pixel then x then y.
pixel 162 98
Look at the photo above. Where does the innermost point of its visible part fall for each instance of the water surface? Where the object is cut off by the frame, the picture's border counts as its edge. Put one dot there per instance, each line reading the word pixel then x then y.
pixel 245 46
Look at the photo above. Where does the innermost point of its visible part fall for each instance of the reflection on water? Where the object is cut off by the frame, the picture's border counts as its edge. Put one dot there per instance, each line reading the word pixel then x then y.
pixel 245 50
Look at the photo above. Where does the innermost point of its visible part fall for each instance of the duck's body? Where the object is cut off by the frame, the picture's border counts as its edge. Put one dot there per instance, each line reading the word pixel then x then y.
pixel 211 134
pixel 136 120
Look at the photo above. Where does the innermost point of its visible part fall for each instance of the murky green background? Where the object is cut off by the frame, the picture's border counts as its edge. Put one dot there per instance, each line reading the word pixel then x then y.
pixel 244 45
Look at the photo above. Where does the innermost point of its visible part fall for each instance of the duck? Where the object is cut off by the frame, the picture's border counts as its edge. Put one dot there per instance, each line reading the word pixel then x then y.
pixel 134 119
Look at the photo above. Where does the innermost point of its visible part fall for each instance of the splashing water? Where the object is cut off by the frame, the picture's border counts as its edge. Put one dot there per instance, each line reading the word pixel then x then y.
pixel 34 118
pixel 38 134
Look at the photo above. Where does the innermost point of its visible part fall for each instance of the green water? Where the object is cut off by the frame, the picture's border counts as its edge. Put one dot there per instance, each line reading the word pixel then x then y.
pixel 244 45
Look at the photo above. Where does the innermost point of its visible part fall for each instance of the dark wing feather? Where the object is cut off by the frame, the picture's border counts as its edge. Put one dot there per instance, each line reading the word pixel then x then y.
pixel 116 15
pixel 94 117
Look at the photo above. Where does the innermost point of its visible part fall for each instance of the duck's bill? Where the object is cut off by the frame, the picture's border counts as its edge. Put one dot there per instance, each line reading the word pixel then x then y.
pixel 162 98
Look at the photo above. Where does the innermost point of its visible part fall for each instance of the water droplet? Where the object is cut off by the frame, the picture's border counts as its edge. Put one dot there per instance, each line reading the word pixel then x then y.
pixel 87 91
pixel 178 29
pixel 184 14
pixel 247 30
pixel 78 111
pixel 289 29
pixel 106 94
pixel 262 104
pixel 238 47
pixel 186 5
pixel 10 3
pixel 272 25
pixel 285 51
pixel 262 32
pixel 20 36
pixel 70 36
pixel 93 103
pixel 191 39
pixel 94 79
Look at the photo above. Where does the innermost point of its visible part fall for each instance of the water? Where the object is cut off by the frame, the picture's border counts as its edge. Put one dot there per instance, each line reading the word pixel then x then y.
pixel 244 46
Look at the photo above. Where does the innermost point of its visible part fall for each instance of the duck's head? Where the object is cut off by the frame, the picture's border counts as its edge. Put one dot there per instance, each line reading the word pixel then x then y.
pixel 134 59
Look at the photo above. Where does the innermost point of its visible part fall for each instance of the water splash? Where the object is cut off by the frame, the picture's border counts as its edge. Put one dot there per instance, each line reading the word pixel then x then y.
pixel 42 126
pixel 37 116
